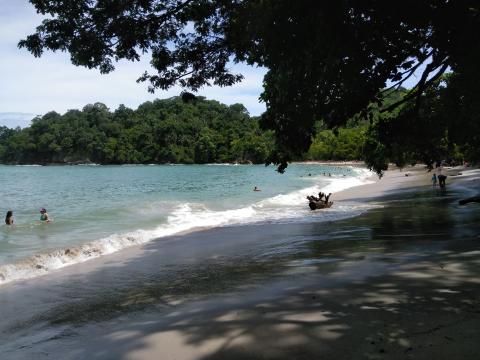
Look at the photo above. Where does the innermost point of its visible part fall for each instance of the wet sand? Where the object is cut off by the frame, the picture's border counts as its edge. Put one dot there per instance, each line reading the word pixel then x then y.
pixel 400 281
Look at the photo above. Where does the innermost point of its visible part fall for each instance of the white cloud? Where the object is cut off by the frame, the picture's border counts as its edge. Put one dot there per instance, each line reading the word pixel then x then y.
pixel 12 120
pixel 39 85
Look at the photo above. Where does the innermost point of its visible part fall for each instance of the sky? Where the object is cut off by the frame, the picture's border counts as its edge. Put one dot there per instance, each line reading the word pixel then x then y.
pixel 32 86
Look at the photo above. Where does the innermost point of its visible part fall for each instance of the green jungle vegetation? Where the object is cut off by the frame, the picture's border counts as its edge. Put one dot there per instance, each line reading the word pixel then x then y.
pixel 192 130
pixel 176 130
pixel 162 131
pixel 326 63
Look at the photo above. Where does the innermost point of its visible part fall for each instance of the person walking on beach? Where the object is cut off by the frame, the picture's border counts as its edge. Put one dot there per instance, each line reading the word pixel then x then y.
pixel 44 215
pixel 9 218
pixel 434 179
pixel 441 178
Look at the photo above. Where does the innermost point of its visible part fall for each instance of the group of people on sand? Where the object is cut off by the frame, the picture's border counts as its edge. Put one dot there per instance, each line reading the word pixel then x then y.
pixel 321 197
pixel 43 216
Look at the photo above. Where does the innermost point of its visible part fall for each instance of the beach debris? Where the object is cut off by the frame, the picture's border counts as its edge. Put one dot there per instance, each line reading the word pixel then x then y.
pixel 469 200
pixel 320 202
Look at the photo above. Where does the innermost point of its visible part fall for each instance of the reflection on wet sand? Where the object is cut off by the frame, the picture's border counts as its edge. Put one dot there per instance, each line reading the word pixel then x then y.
pixel 400 280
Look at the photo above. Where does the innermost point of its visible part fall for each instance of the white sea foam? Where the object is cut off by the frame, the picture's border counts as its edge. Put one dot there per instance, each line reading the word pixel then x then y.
pixel 474 173
pixel 283 208
pixel 224 164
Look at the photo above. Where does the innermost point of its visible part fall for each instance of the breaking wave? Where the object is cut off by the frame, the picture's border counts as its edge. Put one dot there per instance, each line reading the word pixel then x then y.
pixel 283 208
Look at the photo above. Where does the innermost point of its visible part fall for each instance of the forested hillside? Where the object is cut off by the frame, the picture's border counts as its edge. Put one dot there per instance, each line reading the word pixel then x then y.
pixel 206 131
pixel 162 131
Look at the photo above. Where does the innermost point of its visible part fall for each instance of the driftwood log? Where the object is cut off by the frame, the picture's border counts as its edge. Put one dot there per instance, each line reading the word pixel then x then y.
pixel 314 205
pixel 469 200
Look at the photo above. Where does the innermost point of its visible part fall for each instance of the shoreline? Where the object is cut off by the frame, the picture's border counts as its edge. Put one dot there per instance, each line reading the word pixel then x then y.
pixel 355 163
pixel 393 180
pixel 44 263
pixel 360 288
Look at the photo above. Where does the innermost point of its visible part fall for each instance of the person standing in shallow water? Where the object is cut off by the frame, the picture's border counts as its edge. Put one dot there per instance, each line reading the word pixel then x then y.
pixel 44 215
pixel 9 218
pixel 434 179
pixel 441 178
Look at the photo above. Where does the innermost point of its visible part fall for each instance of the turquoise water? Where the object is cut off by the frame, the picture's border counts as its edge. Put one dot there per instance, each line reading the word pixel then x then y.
pixel 97 210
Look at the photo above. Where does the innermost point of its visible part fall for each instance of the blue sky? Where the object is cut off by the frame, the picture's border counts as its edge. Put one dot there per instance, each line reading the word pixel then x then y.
pixel 33 86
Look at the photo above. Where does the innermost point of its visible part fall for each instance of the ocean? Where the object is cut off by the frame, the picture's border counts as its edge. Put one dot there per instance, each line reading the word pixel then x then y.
pixel 252 264
pixel 98 210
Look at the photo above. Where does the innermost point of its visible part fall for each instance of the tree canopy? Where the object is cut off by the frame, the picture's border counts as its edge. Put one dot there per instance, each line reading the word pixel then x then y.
pixel 162 131
pixel 326 60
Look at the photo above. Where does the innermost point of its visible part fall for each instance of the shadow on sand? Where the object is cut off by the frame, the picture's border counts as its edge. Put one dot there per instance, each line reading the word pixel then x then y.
pixel 399 282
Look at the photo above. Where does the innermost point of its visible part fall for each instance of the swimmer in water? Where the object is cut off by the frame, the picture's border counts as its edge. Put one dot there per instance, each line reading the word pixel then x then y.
pixel 44 215
pixel 9 218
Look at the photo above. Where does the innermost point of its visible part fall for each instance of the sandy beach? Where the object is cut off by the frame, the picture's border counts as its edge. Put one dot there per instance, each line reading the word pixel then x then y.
pixel 400 281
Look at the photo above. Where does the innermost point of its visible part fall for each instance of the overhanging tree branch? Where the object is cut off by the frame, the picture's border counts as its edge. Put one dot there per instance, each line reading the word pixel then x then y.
pixel 410 73
pixel 420 88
